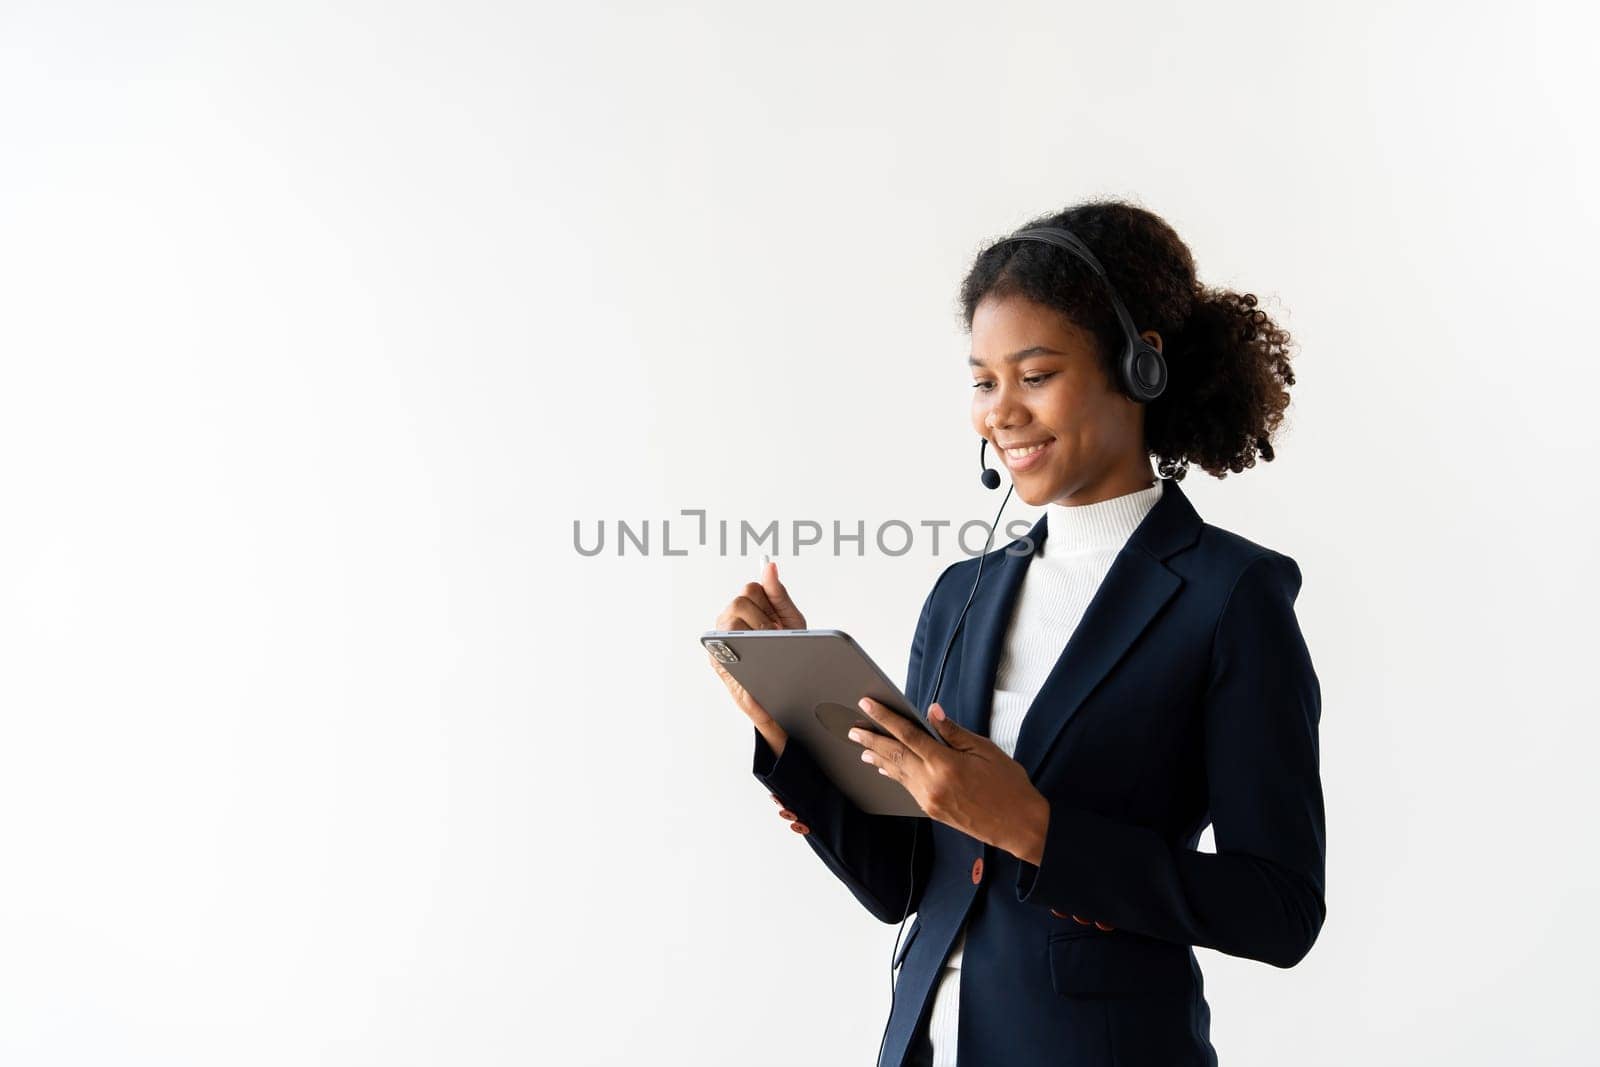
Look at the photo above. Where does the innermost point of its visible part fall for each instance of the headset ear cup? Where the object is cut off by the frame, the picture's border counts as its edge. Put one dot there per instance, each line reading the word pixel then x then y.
pixel 1144 372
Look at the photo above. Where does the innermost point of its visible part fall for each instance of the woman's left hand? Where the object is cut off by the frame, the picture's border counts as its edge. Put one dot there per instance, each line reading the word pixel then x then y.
pixel 971 785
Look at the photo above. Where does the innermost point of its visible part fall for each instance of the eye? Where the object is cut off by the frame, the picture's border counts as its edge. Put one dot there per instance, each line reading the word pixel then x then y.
pixel 985 385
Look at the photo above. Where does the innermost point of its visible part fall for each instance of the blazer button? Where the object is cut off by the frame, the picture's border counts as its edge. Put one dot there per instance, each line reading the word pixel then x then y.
pixel 799 827
pixel 977 870
pixel 1058 914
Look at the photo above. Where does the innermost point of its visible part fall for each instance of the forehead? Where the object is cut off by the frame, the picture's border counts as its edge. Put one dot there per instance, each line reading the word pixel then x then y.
pixel 1014 326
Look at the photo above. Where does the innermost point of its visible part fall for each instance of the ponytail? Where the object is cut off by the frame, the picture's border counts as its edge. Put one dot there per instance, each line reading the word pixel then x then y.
pixel 1227 390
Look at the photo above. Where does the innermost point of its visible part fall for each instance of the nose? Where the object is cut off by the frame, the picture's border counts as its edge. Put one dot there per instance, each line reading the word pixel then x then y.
pixel 1005 410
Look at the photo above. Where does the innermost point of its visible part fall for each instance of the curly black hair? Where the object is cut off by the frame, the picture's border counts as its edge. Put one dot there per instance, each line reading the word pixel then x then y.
pixel 1227 361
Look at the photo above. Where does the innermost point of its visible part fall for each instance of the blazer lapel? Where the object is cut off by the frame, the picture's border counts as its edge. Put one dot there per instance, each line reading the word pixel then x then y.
pixel 1135 588
pixel 986 628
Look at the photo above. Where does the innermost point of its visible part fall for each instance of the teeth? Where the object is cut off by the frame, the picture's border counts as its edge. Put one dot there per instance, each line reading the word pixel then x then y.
pixel 1019 453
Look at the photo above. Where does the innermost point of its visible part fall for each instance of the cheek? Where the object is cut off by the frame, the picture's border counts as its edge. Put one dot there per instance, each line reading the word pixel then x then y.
pixel 980 411
pixel 1066 405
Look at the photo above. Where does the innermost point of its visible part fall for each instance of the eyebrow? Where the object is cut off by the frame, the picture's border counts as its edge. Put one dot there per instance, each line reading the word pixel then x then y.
pixel 973 361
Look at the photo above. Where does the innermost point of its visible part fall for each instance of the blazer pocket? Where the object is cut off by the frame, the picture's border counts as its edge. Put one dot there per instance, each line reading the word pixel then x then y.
pixel 911 935
pixel 1097 963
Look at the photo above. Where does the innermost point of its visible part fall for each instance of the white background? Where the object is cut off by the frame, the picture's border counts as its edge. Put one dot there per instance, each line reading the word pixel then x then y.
pixel 321 325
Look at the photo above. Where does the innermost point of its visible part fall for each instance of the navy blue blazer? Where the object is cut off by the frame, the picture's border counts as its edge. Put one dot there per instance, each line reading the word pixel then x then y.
pixel 1185 696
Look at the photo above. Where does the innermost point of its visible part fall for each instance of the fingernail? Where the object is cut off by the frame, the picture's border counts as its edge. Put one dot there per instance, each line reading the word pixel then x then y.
pixel 862 704
pixel 936 711
pixel 855 735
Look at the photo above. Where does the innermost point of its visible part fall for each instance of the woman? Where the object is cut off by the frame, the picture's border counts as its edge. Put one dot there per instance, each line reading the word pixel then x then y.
pixel 1124 676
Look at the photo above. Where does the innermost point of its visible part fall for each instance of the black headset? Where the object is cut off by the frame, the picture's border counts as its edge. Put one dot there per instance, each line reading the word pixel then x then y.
pixel 1142 375
pixel 1142 371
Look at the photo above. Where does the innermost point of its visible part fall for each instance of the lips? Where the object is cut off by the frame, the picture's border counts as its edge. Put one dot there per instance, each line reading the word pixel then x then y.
pixel 1022 451
pixel 1026 457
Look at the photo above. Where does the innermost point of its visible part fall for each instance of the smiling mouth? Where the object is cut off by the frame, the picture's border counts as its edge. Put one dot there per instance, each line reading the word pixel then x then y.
pixel 1023 453
pixel 1026 458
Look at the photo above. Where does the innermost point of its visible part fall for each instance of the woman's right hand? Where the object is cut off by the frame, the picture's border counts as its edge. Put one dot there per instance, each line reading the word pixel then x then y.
pixel 763 605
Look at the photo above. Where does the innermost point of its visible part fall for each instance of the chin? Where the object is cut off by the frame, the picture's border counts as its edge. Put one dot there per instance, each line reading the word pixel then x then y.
pixel 1032 493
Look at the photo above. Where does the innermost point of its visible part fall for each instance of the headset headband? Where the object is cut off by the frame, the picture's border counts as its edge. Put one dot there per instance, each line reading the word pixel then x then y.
pixel 1061 238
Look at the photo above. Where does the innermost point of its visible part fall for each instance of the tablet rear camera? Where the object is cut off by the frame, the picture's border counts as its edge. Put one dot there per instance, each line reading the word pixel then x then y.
pixel 723 653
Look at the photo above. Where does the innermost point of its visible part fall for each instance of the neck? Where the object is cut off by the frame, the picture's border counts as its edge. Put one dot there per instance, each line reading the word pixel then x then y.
pixel 1112 484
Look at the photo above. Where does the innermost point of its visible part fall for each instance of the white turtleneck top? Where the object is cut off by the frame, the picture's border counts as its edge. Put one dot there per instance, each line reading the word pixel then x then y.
pixel 1080 545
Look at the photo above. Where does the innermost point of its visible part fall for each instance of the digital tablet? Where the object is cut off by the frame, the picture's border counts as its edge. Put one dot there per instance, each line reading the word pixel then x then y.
pixel 810 681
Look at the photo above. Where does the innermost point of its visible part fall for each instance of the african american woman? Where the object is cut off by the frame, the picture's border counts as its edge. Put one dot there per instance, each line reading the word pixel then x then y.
pixel 1124 676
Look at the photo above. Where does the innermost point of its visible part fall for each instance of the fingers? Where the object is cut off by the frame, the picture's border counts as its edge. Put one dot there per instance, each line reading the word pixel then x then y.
pixel 741 696
pixel 734 687
pixel 745 614
pixel 778 596
pixel 904 730
pixel 884 753
pixel 753 592
pixel 958 736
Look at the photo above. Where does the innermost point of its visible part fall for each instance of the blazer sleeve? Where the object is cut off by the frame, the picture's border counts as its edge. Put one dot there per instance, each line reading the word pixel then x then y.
pixel 871 854
pixel 1260 895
